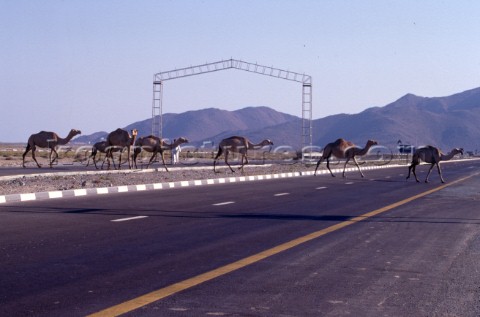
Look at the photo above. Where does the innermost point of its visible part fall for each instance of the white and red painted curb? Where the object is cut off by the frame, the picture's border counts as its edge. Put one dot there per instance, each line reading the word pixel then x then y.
pixel 168 185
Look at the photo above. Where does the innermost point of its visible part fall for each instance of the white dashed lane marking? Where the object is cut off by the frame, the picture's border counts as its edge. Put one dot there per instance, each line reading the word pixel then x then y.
pixel 323 187
pixel 127 219
pixel 281 194
pixel 224 203
pixel 349 183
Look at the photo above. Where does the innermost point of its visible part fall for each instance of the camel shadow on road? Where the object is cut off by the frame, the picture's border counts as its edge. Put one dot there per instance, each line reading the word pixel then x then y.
pixel 162 213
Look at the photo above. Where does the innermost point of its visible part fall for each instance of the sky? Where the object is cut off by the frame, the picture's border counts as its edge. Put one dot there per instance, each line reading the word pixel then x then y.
pixel 89 64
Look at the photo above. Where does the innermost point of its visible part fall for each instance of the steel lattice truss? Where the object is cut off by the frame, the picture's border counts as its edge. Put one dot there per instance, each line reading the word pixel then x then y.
pixel 306 81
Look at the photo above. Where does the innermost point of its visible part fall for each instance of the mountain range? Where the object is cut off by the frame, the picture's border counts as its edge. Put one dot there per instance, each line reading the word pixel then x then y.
pixel 446 122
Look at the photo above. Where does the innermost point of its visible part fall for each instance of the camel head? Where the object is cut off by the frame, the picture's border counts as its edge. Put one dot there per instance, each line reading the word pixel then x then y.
pixel 371 143
pixel 75 132
pixel 266 142
pixel 134 136
pixel 457 151
pixel 181 140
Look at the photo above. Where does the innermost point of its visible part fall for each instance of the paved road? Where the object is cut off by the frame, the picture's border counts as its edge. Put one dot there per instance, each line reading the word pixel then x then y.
pixel 419 257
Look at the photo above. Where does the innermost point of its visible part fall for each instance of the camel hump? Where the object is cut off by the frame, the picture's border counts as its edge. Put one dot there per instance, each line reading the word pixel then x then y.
pixel 339 142
pixel 432 148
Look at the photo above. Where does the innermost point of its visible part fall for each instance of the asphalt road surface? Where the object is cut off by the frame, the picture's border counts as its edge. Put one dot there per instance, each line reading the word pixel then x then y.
pixel 306 246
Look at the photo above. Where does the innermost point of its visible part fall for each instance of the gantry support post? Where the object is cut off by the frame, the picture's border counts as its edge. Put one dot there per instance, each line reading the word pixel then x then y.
pixel 157 122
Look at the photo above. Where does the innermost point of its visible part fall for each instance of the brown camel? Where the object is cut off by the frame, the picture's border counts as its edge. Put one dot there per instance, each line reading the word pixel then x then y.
pixel 45 139
pixel 97 147
pixel 102 148
pixel 238 144
pixel 343 149
pixel 119 139
pixel 155 145
pixel 432 155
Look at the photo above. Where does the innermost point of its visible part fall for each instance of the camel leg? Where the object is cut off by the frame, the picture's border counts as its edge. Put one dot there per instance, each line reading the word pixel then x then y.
pixel 55 157
pixel 130 158
pixel 220 151
pixel 94 162
pixel 409 170
pixel 358 166
pixel 318 164
pixel 226 161
pixel 151 159
pixel 344 167
pixel 242 162
pixel 113 161
pixel 88 160
pixel 24 154
pixel 119 160
pixel 107 159
pixel 110 156
pixel 414 166
pixel 135 154
pixel 50 158
pixel 440 173
pixel 328 166
pixel 154 156
pixel 429 171
pixel 34 158
pixel 163 160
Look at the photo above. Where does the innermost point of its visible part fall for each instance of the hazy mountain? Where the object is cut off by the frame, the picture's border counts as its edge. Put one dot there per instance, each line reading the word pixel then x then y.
pixel 447 122
pixel 200 125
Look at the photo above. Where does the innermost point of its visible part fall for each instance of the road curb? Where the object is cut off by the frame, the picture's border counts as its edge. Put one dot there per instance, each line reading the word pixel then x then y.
pixel 71 193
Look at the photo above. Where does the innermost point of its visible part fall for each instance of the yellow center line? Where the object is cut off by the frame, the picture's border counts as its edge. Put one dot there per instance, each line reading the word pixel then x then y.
pixel 162 293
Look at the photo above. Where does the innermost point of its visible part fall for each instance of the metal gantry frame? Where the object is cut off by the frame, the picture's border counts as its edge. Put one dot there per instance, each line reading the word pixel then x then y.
pixel 305 80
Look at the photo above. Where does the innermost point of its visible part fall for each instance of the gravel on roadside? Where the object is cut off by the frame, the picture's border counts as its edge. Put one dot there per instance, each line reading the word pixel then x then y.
pixel 77 180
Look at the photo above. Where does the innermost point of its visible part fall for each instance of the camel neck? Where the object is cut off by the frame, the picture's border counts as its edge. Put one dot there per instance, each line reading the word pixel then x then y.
pixel 63 141
pixel 447 157
pixel 365 149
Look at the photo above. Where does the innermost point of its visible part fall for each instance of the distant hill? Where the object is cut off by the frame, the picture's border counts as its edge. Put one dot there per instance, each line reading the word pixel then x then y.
pixel 201 125
pixel 446 122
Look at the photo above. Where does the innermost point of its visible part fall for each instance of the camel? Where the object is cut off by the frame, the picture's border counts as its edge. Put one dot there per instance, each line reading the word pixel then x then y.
pixel 45 139
pixel 344 149
pixel 119 139
pixel 238 144
pixel 432 155
pixel 155 145
pixel 99 147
